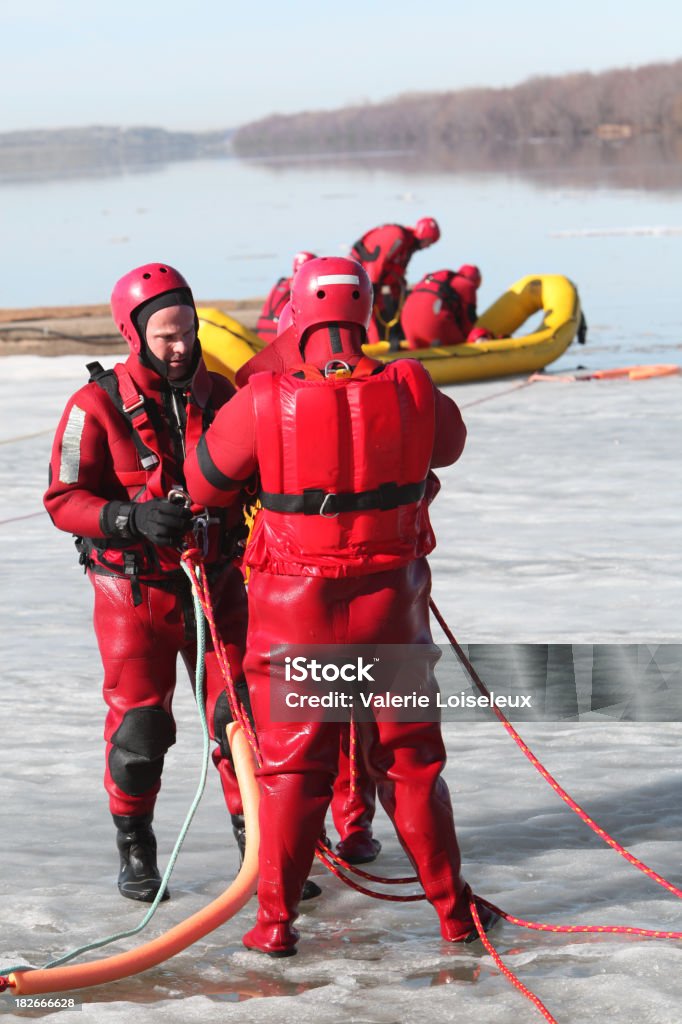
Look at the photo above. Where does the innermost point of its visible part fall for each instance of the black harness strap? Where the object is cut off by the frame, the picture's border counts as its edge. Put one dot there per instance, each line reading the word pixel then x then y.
pixel 316 502
pixel 364 254
pixel 108 381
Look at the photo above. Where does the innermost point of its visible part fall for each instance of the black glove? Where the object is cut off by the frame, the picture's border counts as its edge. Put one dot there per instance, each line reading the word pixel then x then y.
pixel 159 520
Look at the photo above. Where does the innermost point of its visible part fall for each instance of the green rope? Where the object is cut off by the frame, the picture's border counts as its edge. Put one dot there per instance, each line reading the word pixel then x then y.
pixel 199 693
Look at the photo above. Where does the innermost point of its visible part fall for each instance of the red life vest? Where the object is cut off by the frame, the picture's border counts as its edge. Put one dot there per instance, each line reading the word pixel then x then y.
pixel 434 312
pixel 343 463
pixel 266 327
pixel 142 559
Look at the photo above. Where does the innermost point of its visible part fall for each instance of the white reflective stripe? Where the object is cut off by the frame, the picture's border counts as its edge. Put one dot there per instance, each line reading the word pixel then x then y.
pixel 338 279
pixel 71 446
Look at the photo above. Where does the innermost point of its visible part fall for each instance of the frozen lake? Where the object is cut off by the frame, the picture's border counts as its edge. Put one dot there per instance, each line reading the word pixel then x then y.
pixel 560 523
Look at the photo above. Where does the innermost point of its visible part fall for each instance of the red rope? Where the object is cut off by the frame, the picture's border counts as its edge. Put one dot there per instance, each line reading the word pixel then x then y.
pixel 640 865
pixel 324 855
pixel 353 756
pixel 333 862
pixel 538 926
pixel 192 559
pixel 574 929
pixel 411 880
pixel 509 974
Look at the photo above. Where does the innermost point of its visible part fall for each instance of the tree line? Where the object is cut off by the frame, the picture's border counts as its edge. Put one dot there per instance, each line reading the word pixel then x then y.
pixel 613 104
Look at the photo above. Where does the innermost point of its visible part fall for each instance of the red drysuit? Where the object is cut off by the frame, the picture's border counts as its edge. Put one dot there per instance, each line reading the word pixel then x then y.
pixel 385 252
pixel 338 556
pixel 143 613
pixel 266 327
pixel 434 313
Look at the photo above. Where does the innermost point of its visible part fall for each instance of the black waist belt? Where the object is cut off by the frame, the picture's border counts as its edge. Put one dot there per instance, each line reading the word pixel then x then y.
pixel 316 502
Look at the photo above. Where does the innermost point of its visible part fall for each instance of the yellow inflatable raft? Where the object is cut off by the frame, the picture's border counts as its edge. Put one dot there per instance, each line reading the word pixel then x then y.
pixel 227 344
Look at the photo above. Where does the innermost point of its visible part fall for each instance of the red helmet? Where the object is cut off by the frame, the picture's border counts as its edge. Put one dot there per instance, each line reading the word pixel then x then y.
pixel 137 288
pixel 426 231
pixel 471 272
pixel 285 319
pixel 300 258
pixel 330 289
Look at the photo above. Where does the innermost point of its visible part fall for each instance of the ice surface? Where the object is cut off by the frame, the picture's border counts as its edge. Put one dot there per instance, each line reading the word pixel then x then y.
pixel 560 523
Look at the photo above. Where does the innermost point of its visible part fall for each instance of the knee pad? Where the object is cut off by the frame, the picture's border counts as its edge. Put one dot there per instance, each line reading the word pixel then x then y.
pixel 138 747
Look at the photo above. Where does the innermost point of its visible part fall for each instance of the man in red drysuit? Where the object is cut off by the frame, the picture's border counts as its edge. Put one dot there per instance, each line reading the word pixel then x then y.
pixel 267 327
pixel 344 446
pixel 354 797
pixel 117 455
pixel 385 252
pixel 441 309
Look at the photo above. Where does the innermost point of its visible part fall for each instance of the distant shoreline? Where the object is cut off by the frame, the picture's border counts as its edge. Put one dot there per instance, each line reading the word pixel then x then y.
pixel 476 126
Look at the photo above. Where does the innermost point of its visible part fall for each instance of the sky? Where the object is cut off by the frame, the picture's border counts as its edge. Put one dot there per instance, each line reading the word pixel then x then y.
pixel 221 63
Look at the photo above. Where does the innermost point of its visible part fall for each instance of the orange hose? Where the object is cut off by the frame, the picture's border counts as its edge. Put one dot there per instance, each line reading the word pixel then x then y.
pixel 644 372
pixel 637 372
pixel 113 968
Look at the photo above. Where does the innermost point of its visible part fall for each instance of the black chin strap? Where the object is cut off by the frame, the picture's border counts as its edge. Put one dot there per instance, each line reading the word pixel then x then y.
pixel 335 338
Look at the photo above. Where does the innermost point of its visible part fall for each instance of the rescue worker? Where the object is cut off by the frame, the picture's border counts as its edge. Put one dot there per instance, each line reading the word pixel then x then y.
pixel 385 252
pixel 267 325
pixel 344 446
pixel 354 797
pixel 466 283
pixel 117 456
pixel 441 308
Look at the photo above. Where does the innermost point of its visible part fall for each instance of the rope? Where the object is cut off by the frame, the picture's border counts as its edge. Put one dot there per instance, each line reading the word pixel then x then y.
pixel 538 926
pixel 327 858
pixel 336 859
pixel 581 929
pixel 199 691
pixel 506 971
pixel 480 685
pixel 388 324
pixel 19 519
pixel 26 437
pixel 191 560
pixel 500 394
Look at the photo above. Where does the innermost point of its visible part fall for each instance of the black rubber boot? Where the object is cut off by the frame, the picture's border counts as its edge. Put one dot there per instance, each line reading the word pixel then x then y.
pixel 489 918
pixel 139 877
pixel 311 890
pixel 239 832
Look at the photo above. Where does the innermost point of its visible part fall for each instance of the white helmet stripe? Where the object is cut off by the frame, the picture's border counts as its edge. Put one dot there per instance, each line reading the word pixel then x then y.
pixel 338 279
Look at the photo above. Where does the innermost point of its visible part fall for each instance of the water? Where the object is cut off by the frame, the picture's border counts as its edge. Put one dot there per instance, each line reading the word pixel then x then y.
pixel 232 227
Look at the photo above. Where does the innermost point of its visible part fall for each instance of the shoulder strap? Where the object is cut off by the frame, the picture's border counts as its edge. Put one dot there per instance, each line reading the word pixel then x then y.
pixel 364 254
pixel 129 402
